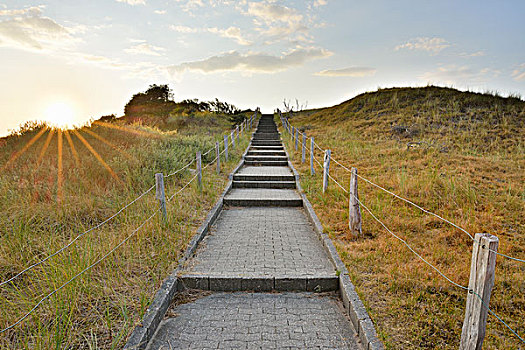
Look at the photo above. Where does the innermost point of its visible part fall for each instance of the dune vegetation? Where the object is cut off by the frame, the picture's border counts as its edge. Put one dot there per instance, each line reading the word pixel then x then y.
pixel 458 154
pixel 57 184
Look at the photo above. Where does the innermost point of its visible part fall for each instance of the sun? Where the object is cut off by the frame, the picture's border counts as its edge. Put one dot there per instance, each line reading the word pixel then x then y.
pixel 59 115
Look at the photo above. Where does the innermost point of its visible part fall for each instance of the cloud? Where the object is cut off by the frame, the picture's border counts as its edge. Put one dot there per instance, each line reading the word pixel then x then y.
pixel 232 33
pixel 518 74
pixel 277 21
pixel 251 62
pixel 348 72
pixel 319 3
pixel 145 49
pixel 472 54
pixel 271 13
pixel 160 12
pixel 434 45
pixel 33 33
pixel 133 2
pixel 460 75
pixel 29 11
pixel 184 29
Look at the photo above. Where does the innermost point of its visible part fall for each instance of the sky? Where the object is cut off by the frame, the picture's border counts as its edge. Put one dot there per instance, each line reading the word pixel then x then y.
pixel 70 61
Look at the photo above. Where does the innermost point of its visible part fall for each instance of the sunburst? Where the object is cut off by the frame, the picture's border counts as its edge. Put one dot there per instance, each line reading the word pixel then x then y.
pixel 96 155
pixel 61 133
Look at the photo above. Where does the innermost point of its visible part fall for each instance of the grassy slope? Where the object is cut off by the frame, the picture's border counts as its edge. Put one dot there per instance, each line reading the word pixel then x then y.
pixel 469 168
pixel 100 308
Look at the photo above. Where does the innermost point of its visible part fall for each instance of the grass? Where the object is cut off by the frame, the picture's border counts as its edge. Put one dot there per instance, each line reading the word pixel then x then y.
pixel 46 202
pixel 467 165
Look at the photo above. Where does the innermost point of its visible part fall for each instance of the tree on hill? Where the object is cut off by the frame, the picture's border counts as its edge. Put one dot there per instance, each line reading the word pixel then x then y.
pixel 155 102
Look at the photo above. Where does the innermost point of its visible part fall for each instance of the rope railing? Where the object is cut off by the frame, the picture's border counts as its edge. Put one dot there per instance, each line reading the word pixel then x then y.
pixel 353 195
pixel 76 238
pixel 415 205
pixel 49 295
pixel 437 270
pixel 78 274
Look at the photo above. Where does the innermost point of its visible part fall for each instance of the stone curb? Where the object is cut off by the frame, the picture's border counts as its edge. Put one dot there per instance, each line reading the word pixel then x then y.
pixel 143 332
pixel 353 305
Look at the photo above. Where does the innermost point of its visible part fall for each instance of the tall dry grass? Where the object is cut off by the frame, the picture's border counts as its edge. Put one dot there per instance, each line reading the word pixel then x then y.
pixel 100 308
pixel 469 169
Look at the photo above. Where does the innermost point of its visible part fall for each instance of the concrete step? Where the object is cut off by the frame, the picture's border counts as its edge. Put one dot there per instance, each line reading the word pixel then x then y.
pixel 260 178
pixel 265 158
pixel 266 137
pixel 269 173
pixel 271 152
pixel 261 283
pixel 267 143
pixel 266 162
pixel 266 148
pixel 259 197
pixel 264 184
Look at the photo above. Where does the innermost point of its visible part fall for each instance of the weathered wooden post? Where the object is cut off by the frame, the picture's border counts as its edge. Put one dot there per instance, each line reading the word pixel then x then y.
pixel 326 169
pixel 312 144
pixel 354 209
pixel 303 155
pixel 160 194
pixel 237 134
pixel 482 270
pixel 199 170
pixel 296 137
pixel 293 133
pixel 226 147
pixel 218 156
pixel 233 139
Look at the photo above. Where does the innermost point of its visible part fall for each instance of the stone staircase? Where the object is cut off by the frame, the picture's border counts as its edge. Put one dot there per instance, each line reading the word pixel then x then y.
pixel 265 265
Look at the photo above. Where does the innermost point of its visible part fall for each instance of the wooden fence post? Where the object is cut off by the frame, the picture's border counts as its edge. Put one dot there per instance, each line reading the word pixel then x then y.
pixel 293 133
pixel 482 270
pixel 199 170
pixel 237 134
pixel 354 209
pixel 233 139
pixel 296 137
pixel 312 169
pixel 326 170
pixel 218 156
pixel 160 194
pixel 226 147
pixel 303 155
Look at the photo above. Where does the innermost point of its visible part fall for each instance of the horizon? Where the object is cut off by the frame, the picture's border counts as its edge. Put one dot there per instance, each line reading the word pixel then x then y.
pixel 67 64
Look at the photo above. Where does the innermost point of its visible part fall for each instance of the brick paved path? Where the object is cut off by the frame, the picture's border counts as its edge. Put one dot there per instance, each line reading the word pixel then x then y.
pixel 256 321
pixel 262 242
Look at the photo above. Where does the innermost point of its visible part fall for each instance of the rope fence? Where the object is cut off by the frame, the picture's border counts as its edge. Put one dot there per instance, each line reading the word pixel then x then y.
pixel 246 124
pixel 479 286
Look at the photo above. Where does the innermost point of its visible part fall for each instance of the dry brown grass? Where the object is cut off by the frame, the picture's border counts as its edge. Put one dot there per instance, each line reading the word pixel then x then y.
pixel 473 174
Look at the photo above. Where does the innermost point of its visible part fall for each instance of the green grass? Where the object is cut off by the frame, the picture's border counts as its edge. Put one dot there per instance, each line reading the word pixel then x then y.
pixel 469 169
pixel 100 308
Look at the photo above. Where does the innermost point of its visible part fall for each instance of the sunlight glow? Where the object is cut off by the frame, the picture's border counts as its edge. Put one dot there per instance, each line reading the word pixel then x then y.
pixel 59 115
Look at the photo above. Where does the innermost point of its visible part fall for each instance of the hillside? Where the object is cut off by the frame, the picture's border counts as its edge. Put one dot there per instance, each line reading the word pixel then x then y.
pixel 458 154
pixel 56 184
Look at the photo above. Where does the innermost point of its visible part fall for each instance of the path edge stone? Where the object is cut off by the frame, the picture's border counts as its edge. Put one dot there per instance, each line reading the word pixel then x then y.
pixel 352 303
pixel 142 333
